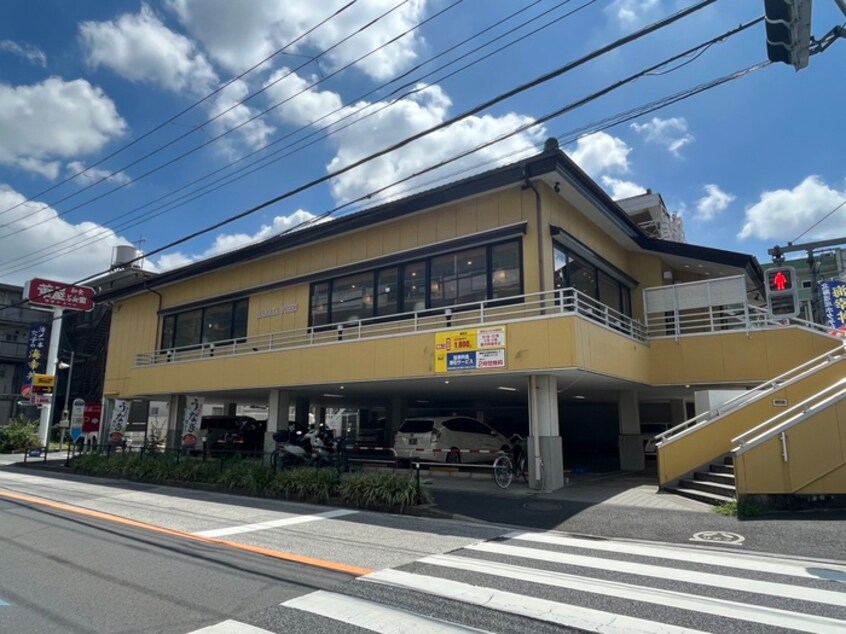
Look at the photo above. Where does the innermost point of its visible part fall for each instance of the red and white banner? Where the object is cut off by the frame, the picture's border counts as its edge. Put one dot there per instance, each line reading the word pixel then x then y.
pixel 59 295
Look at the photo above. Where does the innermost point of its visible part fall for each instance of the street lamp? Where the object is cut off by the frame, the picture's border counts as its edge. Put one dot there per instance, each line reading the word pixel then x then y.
pixel 66 411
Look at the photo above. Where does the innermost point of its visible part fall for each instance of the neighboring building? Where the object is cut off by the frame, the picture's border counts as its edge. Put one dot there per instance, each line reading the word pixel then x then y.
pixel 15 322
pixel 650 213
pixel 523 296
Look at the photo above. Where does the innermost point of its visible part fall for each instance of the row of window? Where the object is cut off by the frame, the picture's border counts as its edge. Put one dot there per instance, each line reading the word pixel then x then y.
pixel 572 271
pixel 205 325
pixel 471 275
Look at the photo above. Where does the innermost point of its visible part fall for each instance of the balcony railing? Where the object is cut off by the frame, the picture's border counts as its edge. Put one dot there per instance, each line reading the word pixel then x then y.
pixel 496 311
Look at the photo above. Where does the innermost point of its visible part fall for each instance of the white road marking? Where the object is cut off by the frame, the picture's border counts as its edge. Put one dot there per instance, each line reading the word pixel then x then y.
pixel 743 561
pixel 371 615
pixel 261 526
pixel 541 609
pixel 674 574
pixel 231 627
pixel 802 622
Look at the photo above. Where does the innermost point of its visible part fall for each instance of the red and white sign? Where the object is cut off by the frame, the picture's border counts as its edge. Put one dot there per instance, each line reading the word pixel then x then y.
pixel 59 295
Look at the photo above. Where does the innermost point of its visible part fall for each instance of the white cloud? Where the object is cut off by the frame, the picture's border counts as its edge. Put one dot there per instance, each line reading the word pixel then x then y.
pixel 54 119
pixel 632 13
pixel 600 152
pixel 255 133
pixel 785 213
pixel 714 201
pixel 231 241
pixel 31 53
pixel 70 264
pixel 671 133
pixel 303 105
pixel 93 174
pixel 620 189
pixel 139 47
pixel 239 33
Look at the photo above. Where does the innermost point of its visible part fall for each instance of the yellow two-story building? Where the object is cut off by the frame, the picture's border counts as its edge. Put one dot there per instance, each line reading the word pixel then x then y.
pixel 523 296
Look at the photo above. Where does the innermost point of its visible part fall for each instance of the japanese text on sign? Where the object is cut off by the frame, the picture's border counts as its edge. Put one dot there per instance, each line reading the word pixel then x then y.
pixel 56 294
pixel 471 349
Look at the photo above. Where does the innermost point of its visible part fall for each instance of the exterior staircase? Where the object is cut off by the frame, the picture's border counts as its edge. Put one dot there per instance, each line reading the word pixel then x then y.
pixel 714 486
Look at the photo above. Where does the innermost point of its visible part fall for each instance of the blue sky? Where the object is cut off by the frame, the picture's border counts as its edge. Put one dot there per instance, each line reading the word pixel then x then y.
pixel 749 164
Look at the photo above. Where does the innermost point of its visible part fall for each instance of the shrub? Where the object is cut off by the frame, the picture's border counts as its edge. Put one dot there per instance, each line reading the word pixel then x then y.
pixel 252 475
pixel 305 484
pixel 19 434
pixel 383 490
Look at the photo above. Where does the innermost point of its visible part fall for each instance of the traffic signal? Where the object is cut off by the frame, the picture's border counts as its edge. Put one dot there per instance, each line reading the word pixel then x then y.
pixel 782 292
pixel 788 25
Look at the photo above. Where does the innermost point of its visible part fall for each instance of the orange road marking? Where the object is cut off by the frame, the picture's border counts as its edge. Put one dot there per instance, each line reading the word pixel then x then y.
pixel 267 552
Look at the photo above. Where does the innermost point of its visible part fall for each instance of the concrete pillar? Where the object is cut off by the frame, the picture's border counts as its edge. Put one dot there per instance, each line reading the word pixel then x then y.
pixel 175 414
pixel 301 410
pixel 397 412
pixel 544 442
pixel 278 404
pixel 630 441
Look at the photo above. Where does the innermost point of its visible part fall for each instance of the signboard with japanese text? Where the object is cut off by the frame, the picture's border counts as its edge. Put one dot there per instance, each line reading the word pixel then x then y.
pixel 77 417
pixel 120 417
pixel 191 421
pixel 43 381
pixel 833 295
pixel 470 349
pixel 59 295
pixel 91 417
pixel 36 357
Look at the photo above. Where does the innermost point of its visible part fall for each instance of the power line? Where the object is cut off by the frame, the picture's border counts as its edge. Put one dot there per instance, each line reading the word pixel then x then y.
pixel 161 166
pixel 546 77
pixel 818 222
pixel 185 110
pixel 334 125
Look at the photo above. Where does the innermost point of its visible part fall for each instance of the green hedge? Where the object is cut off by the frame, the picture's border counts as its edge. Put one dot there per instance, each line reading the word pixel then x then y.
pixel 19 434
pixel 377 490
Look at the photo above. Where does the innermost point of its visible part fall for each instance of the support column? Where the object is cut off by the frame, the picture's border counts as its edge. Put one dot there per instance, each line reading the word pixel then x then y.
pixel 397 412
pixel 278 404
pixel 544 442
pixel 630 439
pixel 175 414
pixel 301 411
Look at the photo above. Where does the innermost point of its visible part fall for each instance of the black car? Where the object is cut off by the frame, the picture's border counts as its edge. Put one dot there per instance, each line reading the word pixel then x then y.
pixel 222 434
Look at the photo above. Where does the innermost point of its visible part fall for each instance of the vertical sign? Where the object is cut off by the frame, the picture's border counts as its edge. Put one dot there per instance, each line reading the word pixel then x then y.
pixel 36 357
pixel 834 304
pixel 120 417
pixel 76 418
pixel 91 417
pixel 191 421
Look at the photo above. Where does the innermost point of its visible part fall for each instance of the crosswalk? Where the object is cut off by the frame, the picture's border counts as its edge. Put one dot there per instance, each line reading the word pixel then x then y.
pixel 553 582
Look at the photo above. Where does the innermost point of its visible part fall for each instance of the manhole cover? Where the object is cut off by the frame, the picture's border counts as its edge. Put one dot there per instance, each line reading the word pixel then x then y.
pixel 542 506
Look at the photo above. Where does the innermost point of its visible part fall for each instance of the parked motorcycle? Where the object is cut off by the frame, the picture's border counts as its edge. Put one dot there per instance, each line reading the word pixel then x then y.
pixel 313 448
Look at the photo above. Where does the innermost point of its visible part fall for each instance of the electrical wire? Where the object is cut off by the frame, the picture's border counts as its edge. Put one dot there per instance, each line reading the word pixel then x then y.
pixel 825 217
pixel 488 103
pixel 187 109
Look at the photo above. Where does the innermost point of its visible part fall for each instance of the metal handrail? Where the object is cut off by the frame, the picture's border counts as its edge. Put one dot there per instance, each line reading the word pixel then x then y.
pixel 782 380
pixel 542 304
pixel 790 418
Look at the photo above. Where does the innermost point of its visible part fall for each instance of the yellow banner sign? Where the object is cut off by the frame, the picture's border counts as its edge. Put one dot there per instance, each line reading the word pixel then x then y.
pixel 471 349
pixel 43 380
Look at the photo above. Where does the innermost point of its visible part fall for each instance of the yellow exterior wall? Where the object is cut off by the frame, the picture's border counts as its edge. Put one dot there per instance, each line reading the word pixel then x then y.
pixel 686 453
pixel 816 464
pixel 134 329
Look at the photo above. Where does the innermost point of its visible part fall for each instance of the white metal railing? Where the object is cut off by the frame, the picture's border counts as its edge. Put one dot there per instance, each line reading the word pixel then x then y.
pixel 530 306
pixel 791 376
pixel 713 319
pixel 783 421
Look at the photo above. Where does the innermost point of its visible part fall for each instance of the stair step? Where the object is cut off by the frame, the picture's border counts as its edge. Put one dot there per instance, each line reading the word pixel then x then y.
pixel 721 468
pixel 729 460
pixel 713 499
pixel 709 487
pixel 720 477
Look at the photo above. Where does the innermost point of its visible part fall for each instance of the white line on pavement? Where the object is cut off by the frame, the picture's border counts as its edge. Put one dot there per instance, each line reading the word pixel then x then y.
pixel 260 526
pixel 800 621
pixel 231 627
pixel 371 615
pixel 541 609
pixel 742 561
pixel 674 574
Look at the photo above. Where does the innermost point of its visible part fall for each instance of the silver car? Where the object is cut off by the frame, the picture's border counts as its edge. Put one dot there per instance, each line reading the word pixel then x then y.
pixel 451 439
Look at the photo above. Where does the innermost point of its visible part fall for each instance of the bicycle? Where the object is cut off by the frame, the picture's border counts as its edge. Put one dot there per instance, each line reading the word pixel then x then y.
pixel 507 466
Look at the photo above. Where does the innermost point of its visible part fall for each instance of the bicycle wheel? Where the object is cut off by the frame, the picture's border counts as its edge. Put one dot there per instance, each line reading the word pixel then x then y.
pixel 523 469
pixel 503 472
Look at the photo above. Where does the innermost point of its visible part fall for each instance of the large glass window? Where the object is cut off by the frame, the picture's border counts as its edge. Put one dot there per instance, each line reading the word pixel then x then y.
pixel 352 297
pixel 387 292
pixel 468 276
pixel 573 271
pixel 609 292
pixel 220 322
pixel 414 286
pixel 505 270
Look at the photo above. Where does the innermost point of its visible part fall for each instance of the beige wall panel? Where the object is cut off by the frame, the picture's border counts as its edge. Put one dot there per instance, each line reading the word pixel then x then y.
pixel 466 222
pixel 607 352
pixel 446 223
pixel 487 212
pixel 833 482
pixel 391 238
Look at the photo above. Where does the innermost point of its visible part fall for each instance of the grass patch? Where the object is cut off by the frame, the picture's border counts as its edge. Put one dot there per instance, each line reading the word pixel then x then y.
pixel 740 508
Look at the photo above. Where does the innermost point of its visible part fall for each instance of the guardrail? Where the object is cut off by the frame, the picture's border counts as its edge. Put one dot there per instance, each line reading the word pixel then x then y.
pixel 781 381
pixel 495 311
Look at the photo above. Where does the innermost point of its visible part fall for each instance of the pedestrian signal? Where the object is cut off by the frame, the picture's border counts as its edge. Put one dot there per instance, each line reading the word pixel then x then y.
pixel 782 292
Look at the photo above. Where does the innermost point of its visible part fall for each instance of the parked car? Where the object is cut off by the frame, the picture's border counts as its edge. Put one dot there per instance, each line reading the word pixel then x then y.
pixel 222 433
pixel 443 438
